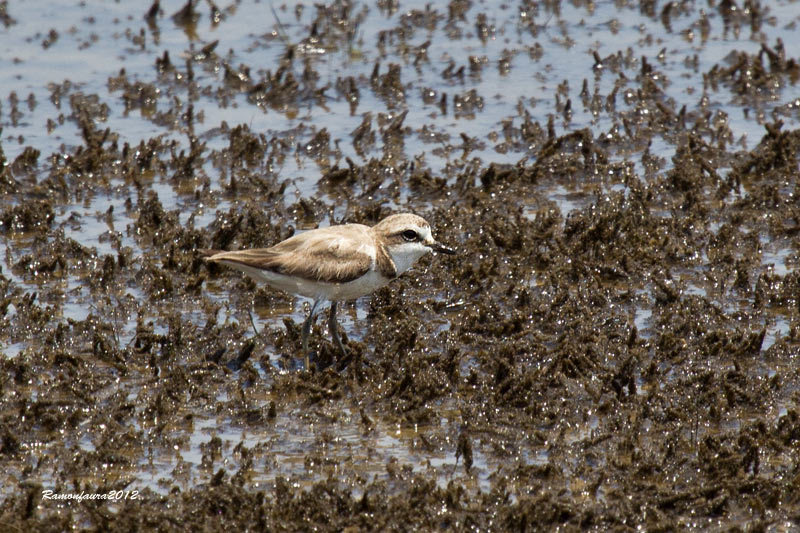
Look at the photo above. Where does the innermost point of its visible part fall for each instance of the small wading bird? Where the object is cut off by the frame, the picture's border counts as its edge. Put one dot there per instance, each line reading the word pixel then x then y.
pixel 336 263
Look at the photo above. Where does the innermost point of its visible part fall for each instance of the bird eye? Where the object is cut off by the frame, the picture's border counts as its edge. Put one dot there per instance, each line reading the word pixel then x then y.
pixel 410 235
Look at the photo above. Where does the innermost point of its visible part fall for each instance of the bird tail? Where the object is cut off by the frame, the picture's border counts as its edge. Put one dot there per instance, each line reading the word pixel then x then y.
pixel 208 254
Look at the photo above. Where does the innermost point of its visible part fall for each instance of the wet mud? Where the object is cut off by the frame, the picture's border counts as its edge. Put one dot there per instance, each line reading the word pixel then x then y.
pixel 621 355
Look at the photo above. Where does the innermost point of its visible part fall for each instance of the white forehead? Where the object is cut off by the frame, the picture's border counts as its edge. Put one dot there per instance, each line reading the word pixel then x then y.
pixel 425 233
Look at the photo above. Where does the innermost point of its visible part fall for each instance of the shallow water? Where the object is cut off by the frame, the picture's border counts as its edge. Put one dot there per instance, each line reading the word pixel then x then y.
pixel 522 355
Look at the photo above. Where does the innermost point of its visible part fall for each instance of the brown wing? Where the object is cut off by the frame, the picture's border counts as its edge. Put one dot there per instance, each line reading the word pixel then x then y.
pixel 335 255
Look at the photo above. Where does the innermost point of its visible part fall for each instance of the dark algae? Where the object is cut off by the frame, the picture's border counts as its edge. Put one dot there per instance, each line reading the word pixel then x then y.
pixel 615 346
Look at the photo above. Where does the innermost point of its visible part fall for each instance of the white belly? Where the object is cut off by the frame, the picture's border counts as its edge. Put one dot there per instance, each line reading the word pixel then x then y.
pixel 351 290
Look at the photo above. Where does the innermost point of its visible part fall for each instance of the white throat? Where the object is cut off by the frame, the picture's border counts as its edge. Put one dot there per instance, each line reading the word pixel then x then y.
pixel 405 255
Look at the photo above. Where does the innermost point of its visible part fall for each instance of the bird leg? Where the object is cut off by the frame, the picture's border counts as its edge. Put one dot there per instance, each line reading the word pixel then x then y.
pixel 307 329
pixel 253 323
pixel 334 327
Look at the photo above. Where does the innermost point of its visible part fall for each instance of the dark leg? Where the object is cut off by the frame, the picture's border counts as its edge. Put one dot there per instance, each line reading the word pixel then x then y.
pixel 334 327
pixel 253 323
pixel 307 329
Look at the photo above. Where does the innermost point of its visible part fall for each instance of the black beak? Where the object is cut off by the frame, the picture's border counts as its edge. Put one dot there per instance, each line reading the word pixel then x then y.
pixel 436 247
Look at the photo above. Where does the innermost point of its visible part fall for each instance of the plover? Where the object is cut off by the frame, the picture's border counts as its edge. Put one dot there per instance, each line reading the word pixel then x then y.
pixel 337 263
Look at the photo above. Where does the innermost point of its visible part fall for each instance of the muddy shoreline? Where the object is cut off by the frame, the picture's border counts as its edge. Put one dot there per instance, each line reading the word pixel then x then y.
pixel 614 347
